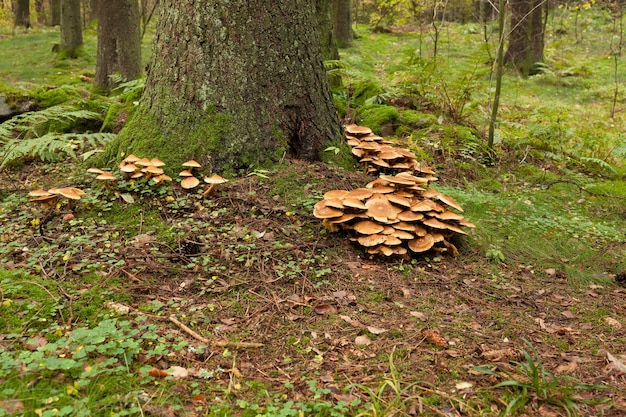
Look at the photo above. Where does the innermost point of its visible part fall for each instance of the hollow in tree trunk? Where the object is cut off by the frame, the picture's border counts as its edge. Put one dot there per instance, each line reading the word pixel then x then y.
pixel 71 29
pixel 526 42
pixel 119 42
pixel 234 84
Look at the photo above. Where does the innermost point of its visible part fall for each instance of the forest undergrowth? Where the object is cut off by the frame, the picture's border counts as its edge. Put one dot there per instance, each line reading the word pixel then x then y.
pixel 144 299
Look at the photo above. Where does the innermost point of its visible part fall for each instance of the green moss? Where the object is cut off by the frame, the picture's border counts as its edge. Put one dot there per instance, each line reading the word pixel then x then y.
pixel 365 90
pixel 341 106
pixel 375 116
pixel 52 97
pixel 415 119
pixel 116 116
pixel 338 153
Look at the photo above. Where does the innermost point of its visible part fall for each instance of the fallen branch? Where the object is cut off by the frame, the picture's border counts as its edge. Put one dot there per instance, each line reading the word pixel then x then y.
pixel 219 343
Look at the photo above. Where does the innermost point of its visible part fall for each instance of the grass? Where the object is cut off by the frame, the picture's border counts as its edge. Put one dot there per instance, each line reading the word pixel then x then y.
pixel 85 306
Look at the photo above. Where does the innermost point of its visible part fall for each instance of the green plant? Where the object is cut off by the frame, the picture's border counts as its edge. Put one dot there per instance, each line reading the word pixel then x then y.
pixel 531 381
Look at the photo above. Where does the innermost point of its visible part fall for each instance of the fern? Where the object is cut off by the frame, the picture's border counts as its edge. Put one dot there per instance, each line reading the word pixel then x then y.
pixel 58 118
pixel 52 146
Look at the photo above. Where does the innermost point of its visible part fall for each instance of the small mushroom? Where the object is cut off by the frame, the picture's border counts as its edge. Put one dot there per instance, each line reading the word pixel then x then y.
pixel 213 180
pixel 43 197
pixel 107 178
pixel 189 183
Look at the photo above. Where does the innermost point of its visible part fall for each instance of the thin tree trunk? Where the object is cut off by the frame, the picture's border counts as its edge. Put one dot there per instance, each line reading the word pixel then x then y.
pixel 499 69
pixel 71 29
pixel 526 38
pixel 342 18
pixel 235 84
pixel 55 12
pixel 119 42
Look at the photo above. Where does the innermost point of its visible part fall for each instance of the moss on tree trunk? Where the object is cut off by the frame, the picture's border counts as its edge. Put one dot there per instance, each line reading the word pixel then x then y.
pixel 233 84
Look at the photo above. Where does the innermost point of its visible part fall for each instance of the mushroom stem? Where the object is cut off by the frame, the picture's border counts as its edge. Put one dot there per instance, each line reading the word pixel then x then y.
pixel 208 190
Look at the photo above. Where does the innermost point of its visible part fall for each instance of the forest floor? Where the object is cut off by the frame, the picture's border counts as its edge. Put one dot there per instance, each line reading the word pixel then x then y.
pixel 156 301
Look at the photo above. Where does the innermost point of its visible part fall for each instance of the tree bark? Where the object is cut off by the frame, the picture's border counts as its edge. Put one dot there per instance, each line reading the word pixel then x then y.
pixel 40 7
pixel 326 31
pixel 234 84
pixel 55 12
pixel 526 37
pixel 22 13
pixel 342 17
pixel 71 29
pixel 119 42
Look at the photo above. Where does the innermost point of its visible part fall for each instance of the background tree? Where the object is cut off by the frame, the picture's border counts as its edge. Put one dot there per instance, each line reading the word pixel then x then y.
pixel 342 20
pixel 234 84
pixel 55 12
pixel 526 39
pixel 71 29
pixel 22 13
pixel 119 42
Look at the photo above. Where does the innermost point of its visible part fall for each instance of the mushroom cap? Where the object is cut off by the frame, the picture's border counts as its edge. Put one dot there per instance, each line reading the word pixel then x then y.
pixel 334 203
pixel 44 198
pixel 130 159
pixel 334 194
pixel 352 141
pixel 354 203
pixel 371 240
pixel 106 176
pixel 346 217
pixel 191 164
pixel 360 193
pixel 153 170
pixel 399 200
pixel 410 216
pixel 144 162
pixel 421 244
pixel 185 173
pixel 189 183
pixel 450 202
pixel 403 234
pixel 215 179
pixel 137 175
pixel 381 250
pixel 448 215
pixel 95 170
pixel 39 193
pixel 368 227
pixel 71 193
pixel 357 130
pixel 380 209
pixel 427 205
pixel 322 211
pixel 157 162
pixel 430 193
pixel 128 168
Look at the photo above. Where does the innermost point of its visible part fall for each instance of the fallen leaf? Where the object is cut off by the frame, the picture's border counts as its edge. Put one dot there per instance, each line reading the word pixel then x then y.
pixel 502 355
pixel 362 340
pixel 323 309
pixel 117 307
pixel 35 342
pixel 613 323
pixel 178 372
pixel 566 368
pixel 434 337
pixel 376 330
pixel 419 315
pixel 615 363
pixel 568 314
pixel 463 385
pixel 351 321
pixel 198 400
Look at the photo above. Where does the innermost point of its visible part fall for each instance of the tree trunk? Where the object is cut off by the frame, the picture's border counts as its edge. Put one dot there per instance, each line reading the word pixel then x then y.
pixel 40 7
pixel 342 16
pixel 22 13
pixel 526 37
pixel 71 29
pixel 55 12
pixel 328 43
pixel 119 42
pixel 234 84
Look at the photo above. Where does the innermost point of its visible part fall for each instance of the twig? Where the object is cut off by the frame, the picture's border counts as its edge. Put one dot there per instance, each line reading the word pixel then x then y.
pixel 220 343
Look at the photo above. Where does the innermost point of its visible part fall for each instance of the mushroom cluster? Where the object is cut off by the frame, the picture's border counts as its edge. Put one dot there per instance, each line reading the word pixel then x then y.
pixel 133 167
pixel 393 214
pixel 50 197
pixel 189 180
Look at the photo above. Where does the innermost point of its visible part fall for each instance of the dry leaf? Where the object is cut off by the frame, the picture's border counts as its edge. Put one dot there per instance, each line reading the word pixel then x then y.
pixel 118 308
pixel 376 330
pixel 567 368
pixel 35 342
pixel 419 315
pixel 568 314
pixel 324 309
pixel 178 372
pixel 613 323
pixel 615 363
pixel 463 385
pixel 351 321
pixel 362 340
pixel 198 400
pixel 434 337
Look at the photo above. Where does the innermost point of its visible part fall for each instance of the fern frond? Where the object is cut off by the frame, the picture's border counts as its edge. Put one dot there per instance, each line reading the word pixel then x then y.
pixel 58 118
pixel 52 146
pixel 599 162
